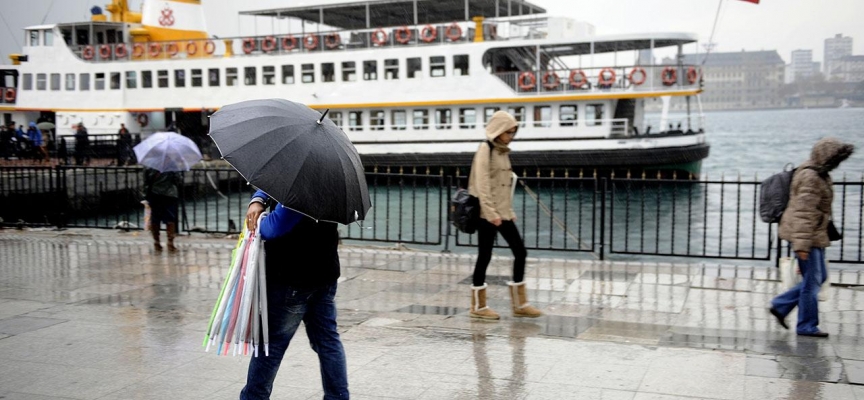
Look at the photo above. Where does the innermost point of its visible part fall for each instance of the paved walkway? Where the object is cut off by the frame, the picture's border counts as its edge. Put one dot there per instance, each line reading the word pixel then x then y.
pixel 87 314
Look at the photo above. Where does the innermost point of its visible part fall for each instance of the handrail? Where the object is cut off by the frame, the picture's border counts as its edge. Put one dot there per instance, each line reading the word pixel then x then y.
pixel 602 79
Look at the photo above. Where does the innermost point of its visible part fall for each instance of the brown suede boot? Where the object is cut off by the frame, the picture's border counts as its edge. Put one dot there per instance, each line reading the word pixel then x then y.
pixel 154 230
pixel 172 233
pixel 521 307
pixel 479 309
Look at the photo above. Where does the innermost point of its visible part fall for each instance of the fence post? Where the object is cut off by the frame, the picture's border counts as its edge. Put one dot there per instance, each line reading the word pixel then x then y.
pixel 62 197
pixel 603 218
pixel 779 246
pixel 447 215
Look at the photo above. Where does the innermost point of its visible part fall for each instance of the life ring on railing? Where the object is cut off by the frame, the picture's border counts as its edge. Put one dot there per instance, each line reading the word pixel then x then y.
pixel 669 76
pixel 172 49
pixel 692 75
pixel 583 80
pixel 428 34
pixel 248 45
pixel 155 49
pixel 268 44
pixel 332 40
pixel 528 84
pixel 137 50
pixel 453 32
pixel 289 43
pixel 120 51
pixel 191 48
pixel 9 96
pixel 143 119
pixel 551 84
pixel 104 51
pixel 209 47
pixel 633 72
pixel 379 37
pixel 88 53
pixel 403 35
pixel 606 77
pixel 310 42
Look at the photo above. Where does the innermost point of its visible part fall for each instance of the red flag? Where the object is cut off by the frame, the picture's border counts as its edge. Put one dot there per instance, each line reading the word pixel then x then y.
pixel 752 1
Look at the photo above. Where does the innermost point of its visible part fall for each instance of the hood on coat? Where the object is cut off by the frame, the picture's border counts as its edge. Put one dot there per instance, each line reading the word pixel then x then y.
pixel 500 122
pixel 32 124
pixel 829 152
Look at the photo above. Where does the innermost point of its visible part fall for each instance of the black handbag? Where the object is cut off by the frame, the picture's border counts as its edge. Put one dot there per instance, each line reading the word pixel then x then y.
pixel 833 234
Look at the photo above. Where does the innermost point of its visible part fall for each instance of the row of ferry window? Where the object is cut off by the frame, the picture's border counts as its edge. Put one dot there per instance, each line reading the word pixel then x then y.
pixel 437 68
pixel 467 117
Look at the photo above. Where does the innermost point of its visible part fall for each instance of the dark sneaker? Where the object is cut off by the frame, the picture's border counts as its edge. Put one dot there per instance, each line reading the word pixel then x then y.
pixel 780 319
pixel 818 334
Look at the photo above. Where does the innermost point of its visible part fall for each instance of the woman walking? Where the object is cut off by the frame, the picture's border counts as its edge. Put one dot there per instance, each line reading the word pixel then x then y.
pixel 162 194
pixel 491 182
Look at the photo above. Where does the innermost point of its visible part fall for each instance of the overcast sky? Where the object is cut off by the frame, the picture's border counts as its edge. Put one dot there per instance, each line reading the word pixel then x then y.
pixel 782 25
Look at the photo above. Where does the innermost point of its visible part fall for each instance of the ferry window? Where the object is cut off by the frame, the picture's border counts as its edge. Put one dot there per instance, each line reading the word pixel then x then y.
pixel 328 72
pixel 34 38
pixel 399 120
pixel 41 81
pixel 146 79
pixel 197 81
pixel 230 76
pixel 55 81
pixel 268 75
pixel 355 121
pixel 115 80
pixel 213 77
pixel 48 38
pixel 287 74
pixel 488 112
pixel 460 65
pixel 82 37
pixel 567 115
pixel 443 118
pixel 308 73
pixel 414 66
pixel 467 118
pixel 370 70
pixel 336 117
pixel 131 80
pixel 249 76
pixel 519 114
pixel 179 78
pixel 594 115
pixel 421 119
pixel 391 69
pixel 70 81
pixel 99 81
pixel 84 82
pixel 376 120
pixel 162 78
pixel 27 82
pixel 542 116
pixel 349 71
pixel 437 66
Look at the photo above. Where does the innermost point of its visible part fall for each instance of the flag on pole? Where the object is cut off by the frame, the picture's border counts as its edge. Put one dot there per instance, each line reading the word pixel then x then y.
pixel 752 1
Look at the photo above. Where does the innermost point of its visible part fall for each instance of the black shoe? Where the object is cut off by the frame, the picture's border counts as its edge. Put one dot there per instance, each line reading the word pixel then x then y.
pixel 818 334
pixel 780 319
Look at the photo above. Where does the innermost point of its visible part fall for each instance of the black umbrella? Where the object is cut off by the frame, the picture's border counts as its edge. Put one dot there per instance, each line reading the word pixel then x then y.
pixel 295 155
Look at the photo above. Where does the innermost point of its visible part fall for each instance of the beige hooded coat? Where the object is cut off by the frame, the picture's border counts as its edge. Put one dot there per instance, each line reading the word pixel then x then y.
pixel 805 221
pixel 491 174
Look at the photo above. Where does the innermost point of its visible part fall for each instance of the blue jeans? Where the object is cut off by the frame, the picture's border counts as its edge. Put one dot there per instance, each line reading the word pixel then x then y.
pixel 286 308
pixel 805 294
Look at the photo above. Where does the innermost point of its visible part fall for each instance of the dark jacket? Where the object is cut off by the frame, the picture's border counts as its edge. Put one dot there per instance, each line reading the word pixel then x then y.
pixel 805 221
pixel 82 140
pixel 161 183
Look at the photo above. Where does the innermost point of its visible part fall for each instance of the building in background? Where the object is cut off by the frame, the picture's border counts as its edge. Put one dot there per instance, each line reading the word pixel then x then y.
pixel 849 69
pixel 836 48
pixel 801 66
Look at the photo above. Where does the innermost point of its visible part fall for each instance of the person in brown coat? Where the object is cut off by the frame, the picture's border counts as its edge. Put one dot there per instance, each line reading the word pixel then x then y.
pixel 804 225
pixel 491 181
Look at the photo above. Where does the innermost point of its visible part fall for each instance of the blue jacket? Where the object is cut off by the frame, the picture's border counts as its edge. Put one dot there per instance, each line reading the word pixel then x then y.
pixel 34 134
pixel 279 222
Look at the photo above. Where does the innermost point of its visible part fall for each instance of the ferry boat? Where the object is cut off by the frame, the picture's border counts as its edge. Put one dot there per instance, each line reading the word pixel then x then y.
pixel 411 82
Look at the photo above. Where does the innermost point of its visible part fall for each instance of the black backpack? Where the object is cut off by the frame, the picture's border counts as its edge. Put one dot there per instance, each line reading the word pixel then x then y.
pixel 465 208
pixel 774 195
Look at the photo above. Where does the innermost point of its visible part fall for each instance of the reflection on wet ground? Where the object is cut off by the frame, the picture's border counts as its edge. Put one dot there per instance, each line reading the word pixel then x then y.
pixel 97 315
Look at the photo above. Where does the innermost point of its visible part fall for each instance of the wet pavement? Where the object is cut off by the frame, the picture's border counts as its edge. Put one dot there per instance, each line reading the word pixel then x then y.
pixel 89 314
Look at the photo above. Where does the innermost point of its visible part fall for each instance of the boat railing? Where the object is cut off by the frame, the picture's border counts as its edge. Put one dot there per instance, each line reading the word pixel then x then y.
pixel 593 128
pixel 603 79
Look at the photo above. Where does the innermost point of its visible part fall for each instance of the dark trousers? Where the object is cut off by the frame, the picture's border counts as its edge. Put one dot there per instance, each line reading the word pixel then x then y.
pixel 486 233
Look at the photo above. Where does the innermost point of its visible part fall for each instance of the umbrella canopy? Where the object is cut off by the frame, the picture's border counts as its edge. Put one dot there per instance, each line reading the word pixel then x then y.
pixel 295 155
pixel 45 125
pixel 167 151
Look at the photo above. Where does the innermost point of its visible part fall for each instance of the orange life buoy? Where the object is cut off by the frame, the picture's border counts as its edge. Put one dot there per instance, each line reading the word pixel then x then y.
pixel 248 45
pixel 138 50
pixel 633 72
pixel 529 83
pixel 120 51
pixel 155 49
pixel 9 96
pixel 403 35
pixel 429 33
pixel 453 32
pixel 379 37
pixel 606 77
pixel 310 42
pixel 88 53
pixel 289 43
pixel 268 44
pixel 209 47
pixel 670 76
pixel 191 48
pixel 692 75
pixel 583 80
pixel 104 51
pixel 553 83
pixel 332 40
pixel 143 119
pixel 172 49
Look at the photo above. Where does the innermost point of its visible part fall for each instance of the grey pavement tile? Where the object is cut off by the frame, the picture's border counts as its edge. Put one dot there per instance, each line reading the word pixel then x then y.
pixel 598 375
pixel 696 373
pixel 11 307
pixel 757 388
pixel 563 326
pixel 170 386
pixel 656 396
pixel 854 371
pixel 21 324
pixel 433 310
pixel 29 396
pixel 72 381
